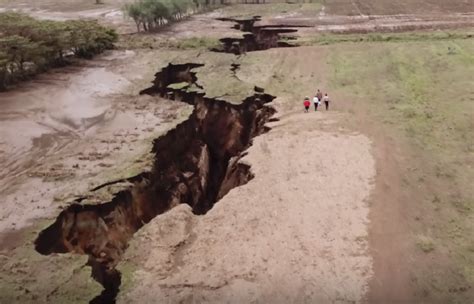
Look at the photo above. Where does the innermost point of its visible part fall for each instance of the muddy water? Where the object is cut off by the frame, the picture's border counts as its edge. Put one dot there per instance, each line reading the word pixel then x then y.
pixel 52 110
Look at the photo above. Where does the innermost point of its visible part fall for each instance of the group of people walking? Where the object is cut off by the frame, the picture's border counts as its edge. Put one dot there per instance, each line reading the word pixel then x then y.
pixel 317 99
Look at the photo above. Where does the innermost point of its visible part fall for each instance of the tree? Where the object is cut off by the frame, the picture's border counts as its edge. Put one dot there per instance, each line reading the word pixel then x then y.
pixel 29 46
pixel 151 14
pixel 4 73
pixel 134 11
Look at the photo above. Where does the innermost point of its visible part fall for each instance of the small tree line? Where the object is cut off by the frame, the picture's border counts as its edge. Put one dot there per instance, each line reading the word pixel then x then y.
pixel 29 46
pixel 152 14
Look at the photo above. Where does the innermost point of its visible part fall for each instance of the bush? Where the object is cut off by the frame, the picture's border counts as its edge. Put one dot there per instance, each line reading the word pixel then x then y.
pixel 29 46
pixel 152 14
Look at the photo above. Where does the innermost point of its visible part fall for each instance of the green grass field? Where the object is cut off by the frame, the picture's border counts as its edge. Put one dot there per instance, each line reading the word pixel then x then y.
pixel 423 94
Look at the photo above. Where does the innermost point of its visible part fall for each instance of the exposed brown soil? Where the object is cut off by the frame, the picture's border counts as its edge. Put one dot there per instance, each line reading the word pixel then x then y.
pixel 388 7
pixel 197 164
pixel 262 37
pixel 389 207
pixel 391 24
pixel 287 236
pixel 366 16
pixel 305 238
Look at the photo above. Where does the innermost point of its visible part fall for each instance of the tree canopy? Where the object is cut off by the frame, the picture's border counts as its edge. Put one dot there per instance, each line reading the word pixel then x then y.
pixel 29 46
pixel 151 14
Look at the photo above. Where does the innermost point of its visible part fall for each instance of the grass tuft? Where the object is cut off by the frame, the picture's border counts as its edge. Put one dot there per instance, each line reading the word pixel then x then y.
pixel 425 243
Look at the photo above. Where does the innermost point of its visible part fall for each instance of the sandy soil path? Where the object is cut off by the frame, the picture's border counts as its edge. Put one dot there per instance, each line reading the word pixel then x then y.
pixel 296 233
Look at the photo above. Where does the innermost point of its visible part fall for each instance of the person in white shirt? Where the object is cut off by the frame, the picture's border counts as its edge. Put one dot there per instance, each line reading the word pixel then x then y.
pixel 326 101
pixel 316 102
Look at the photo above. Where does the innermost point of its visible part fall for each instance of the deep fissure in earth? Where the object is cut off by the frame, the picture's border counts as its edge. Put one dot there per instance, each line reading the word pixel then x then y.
pixel 257 37
pixel 197 163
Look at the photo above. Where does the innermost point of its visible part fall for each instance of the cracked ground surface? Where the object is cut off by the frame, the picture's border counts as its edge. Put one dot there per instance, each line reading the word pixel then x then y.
pixel 327 217
pixel 295 238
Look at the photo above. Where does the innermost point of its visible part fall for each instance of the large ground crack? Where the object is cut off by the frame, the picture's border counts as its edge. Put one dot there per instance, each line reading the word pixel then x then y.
pixel 257 37
pixel 197 163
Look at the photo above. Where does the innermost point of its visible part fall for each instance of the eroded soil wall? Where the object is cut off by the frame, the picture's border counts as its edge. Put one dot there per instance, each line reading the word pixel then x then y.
pixel 256 38
pixel 196 163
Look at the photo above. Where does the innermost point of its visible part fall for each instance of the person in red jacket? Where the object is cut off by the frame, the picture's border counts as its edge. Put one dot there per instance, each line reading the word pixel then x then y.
pixel 306 104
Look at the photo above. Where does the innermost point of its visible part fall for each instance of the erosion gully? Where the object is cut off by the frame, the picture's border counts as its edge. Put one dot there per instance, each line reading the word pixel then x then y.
pixel 257 37
pixel 197 163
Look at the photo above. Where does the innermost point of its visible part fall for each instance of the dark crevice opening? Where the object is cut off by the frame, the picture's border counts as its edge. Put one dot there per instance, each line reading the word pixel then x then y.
pixel 257 37
pixel 196 163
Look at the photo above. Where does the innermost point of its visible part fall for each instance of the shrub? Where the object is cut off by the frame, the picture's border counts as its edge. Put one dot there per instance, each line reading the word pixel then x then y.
pixel 152 14
pixel 28 46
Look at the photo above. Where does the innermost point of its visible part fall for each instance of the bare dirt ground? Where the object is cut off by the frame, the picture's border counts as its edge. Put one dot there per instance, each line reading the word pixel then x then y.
pixel 109 13
pixel 305 240
pixel 326 218
pixel 63 134
pixel 351 16
pixel 86 106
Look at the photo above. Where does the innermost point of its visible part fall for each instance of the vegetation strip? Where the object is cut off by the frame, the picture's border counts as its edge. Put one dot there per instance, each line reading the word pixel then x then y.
pixel 29 46
pixel 150 15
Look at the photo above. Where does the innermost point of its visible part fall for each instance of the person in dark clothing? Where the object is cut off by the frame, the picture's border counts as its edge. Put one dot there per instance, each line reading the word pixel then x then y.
pixel 319 94
pixel 326 101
